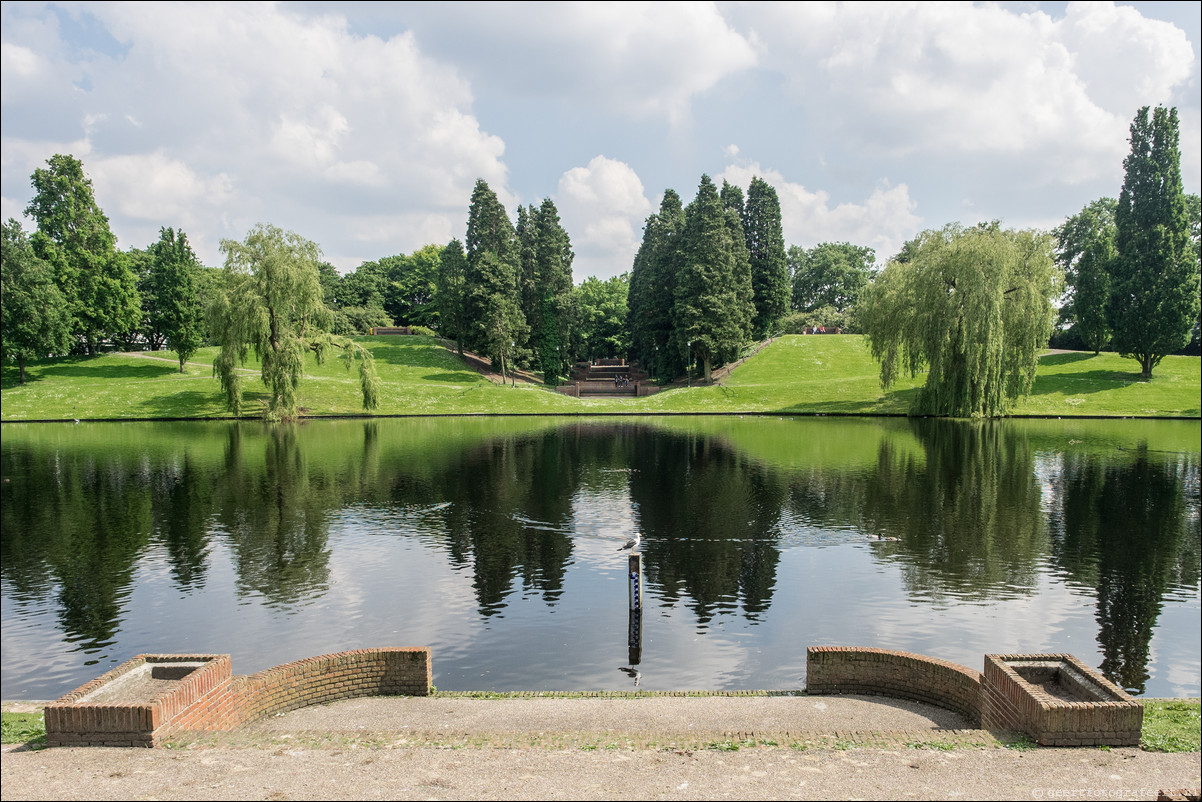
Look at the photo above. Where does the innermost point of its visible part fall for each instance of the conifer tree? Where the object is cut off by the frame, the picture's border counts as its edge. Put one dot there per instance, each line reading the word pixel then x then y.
pixel 452 266
pixel 495 323
pixel 1154 285
pixel 769 264
pixel 708 313
pixel 652 295
pixel 732 201
pixel 553 275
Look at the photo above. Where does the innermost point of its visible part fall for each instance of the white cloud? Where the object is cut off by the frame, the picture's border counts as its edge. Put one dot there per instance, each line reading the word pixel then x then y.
pixel 980 81
pixel 640 59
pixel 602 206
pixel 320 127
pixel 882 221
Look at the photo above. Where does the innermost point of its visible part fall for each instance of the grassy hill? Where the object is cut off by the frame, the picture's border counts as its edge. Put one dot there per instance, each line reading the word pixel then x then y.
pixel 831 374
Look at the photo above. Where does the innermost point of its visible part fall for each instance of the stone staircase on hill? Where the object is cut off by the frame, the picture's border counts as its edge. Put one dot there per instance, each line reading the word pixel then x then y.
pixel 608 378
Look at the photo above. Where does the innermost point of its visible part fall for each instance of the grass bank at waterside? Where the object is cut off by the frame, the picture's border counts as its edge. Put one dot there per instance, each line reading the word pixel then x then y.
pixel 825 374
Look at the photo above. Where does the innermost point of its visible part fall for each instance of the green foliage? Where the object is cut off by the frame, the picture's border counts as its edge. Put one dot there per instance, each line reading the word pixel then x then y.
pixel 1085 252
pixel 732 201
pixel 830 274
pixel 452 266
pixel 601 317
pixel 973 307
pixel 1172 726
pixel 35 322
pixel 176 311
pixel 827 318
pixel 652 294
pixel 553 277
pixel 352 321
pixel 709 313
pixel 272 304
pixel 73 235
pixel 769 264
pixel 1154 289
pixel 494 322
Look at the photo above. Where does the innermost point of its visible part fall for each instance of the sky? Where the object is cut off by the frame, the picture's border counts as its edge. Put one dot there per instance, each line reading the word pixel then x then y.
pixel 364 126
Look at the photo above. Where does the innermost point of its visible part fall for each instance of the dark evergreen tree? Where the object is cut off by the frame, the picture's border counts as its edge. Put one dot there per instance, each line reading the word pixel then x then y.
pixel 495 324
pixel 1154 299
pixel 553 277
pixel 529 292
pixel 452 267
pixel 709 316
pixel 766 248
pixel 653 291
pixel 732 201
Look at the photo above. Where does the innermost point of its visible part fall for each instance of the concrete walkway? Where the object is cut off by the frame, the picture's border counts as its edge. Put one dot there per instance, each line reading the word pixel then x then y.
pixel 661 746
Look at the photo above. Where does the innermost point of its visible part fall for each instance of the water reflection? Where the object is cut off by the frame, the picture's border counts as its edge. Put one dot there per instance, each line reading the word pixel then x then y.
pixel 1125 527
pixel 522 510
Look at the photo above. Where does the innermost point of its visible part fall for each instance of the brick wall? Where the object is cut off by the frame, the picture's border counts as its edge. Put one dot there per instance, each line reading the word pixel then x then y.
pixel 209 698
pixel 1011 703
pixel 884 672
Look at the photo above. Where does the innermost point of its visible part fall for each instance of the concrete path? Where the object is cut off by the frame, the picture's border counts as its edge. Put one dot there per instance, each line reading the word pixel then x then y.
pixel 662 747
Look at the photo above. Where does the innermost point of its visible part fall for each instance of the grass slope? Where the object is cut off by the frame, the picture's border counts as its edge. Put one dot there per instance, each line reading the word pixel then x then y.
pixel 831 374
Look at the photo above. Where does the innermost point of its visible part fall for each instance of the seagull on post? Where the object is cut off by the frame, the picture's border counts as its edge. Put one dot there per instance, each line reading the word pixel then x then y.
pixel 633 543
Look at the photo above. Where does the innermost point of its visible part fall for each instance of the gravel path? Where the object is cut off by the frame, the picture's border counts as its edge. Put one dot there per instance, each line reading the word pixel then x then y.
pixel 662 747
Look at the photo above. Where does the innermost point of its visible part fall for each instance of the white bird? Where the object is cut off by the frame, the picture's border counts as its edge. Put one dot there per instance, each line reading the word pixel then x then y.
pixel 633 542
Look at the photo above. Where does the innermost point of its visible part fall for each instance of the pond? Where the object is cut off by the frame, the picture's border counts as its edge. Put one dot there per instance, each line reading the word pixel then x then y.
pixel 496 542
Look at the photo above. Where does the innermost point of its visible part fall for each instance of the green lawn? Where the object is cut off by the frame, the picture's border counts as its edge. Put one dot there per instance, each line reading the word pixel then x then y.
pixel 831 374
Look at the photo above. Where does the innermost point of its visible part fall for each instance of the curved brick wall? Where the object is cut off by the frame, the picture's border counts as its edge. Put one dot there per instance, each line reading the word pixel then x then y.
pixel 331 677
pixel 884 672
pixel 209 698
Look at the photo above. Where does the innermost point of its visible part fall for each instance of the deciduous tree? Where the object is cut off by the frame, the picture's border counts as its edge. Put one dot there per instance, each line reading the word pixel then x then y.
pixel 973 307
pixel 177 312
pixel 73 235
pixel 272 302
pixel 1085 252
pixel 35 320
pixel 830 274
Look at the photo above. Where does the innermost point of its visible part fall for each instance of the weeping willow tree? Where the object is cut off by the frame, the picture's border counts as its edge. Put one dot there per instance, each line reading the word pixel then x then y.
pixel 272 303
pixel 970 306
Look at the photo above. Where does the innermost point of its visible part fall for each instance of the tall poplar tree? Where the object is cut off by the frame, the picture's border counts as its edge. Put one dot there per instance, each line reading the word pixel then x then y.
pixel 177 312
pixel 1154 300
pixel 769 264
pixel 73 235
pixel 709 315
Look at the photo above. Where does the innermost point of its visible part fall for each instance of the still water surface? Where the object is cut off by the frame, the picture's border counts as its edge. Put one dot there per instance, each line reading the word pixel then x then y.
pixel 495 542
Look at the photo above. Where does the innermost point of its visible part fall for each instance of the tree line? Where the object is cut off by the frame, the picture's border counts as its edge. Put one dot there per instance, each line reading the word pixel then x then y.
pixel 969 306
